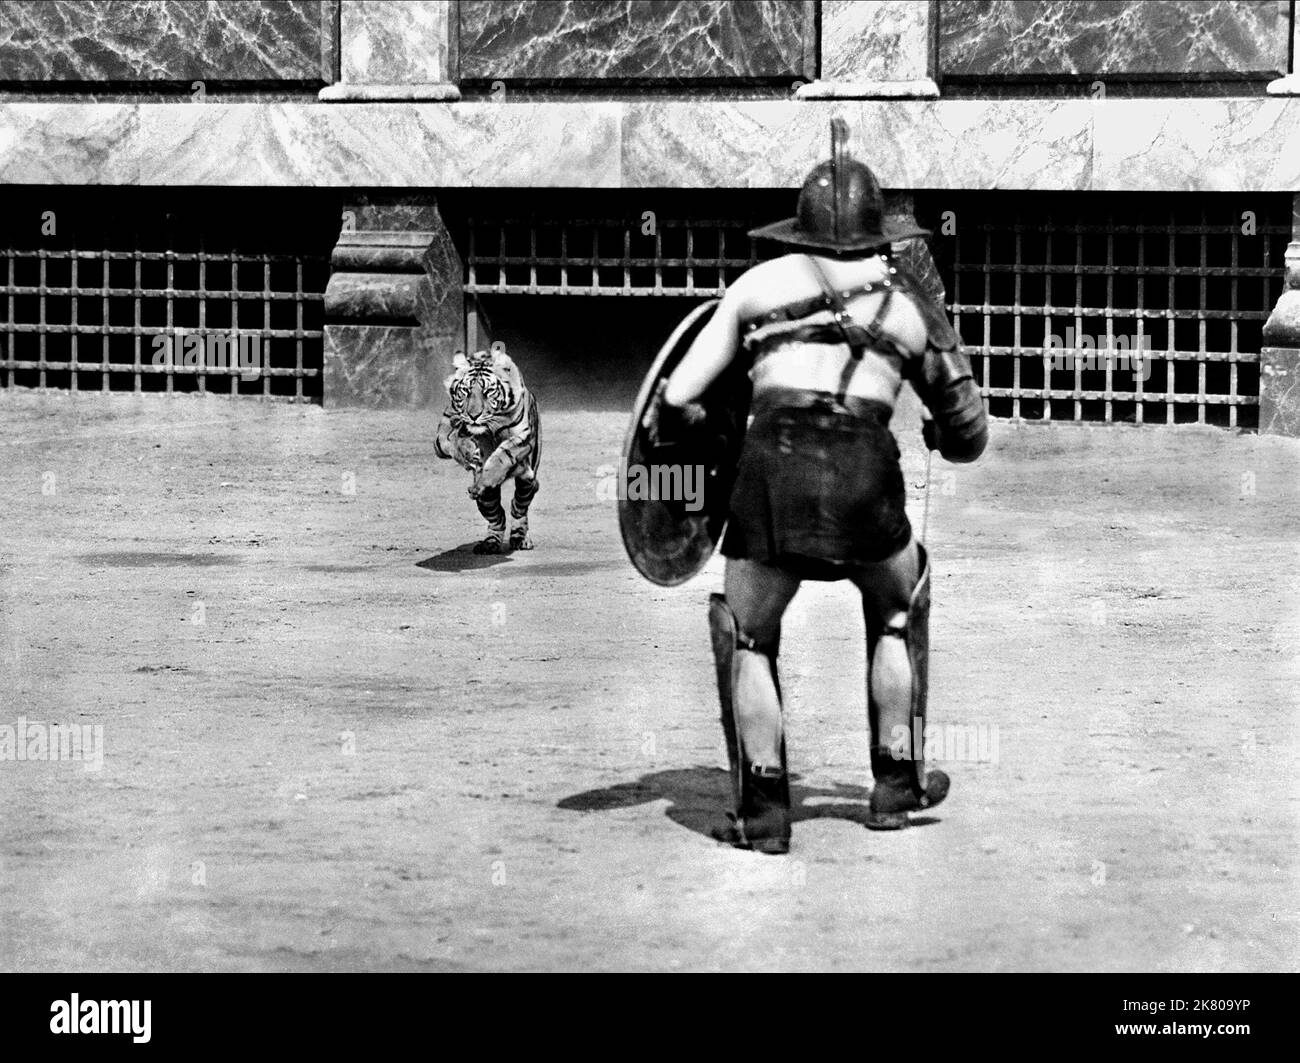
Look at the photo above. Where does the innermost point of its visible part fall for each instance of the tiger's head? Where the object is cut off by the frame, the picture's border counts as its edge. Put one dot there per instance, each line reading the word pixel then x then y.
pixel 486 389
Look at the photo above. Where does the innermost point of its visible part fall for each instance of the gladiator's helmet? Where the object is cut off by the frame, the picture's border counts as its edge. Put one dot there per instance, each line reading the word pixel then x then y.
pixel 841 209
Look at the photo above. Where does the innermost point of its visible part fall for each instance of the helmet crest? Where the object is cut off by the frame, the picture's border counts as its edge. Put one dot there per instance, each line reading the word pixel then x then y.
pixel 841 208
pixel 839 159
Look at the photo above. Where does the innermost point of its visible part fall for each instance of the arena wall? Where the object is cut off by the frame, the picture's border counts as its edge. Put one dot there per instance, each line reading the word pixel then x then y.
pixel 1170 127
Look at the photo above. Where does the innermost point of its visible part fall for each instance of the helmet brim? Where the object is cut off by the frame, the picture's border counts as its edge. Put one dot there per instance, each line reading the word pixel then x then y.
pixel 791 234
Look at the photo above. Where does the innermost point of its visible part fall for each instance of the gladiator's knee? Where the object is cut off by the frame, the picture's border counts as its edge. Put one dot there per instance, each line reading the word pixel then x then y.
pixel 895 625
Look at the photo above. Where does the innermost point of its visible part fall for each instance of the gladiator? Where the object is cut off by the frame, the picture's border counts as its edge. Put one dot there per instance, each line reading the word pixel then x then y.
pixel 828 332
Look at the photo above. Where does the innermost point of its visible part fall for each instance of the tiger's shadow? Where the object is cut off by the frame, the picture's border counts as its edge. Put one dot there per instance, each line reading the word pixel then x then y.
pixel 698 799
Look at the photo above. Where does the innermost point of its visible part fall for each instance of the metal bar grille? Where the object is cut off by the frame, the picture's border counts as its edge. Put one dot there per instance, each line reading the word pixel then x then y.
pixel 1099 356
pixel 1090 307
pixel 102 311
pixel 680 257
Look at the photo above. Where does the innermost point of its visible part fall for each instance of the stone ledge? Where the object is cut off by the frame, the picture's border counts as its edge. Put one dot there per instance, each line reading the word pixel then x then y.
pixel 1165 144
pixel 348 93
pixel 918 89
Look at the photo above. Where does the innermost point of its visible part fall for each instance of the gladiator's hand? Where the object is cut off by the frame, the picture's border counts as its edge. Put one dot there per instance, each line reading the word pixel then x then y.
pixel 930 433
pixel 666 424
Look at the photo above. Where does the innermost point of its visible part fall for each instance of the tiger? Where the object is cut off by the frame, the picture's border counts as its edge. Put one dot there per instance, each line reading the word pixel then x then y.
pixel 492 428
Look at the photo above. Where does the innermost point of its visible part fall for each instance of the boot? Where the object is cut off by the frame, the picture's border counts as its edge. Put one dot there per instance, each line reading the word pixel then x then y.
pixel 894 796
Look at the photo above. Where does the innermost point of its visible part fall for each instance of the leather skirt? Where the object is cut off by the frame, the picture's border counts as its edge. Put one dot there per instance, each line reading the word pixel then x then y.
pixel 819 488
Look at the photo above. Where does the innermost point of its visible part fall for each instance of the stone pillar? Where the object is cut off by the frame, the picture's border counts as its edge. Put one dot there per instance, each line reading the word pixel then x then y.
pixel 396 50
pixel 875 49
pixel 1279 359
pixel 1290 85
pixel 394 306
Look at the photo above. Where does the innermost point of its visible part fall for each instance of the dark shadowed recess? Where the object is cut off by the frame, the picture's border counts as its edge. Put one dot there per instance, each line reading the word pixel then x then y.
pixel 591 350
pixel 95 275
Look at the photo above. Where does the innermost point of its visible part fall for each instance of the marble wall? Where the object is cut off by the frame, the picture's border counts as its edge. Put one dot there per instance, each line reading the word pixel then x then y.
pixel 1046 38
pixel 1160 144
pixel 395 41
pixel 132 41
pixel 880 39
pixel 594 40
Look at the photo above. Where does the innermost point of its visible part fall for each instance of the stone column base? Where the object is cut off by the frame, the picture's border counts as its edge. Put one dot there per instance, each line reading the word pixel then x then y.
pixel 381 366
pixel 394 313
pixel 1279 391
pixel 918 89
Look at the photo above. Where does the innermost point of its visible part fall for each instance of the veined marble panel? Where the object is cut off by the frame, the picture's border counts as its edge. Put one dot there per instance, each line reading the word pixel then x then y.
pixel 61 143
pixel 593 40
pixel 1197 145
pixel 384 145
pixel 1121 37
pixel 166 40
pixel 884 40
pixel 912 144
pixel 394 41
pixel 1246 144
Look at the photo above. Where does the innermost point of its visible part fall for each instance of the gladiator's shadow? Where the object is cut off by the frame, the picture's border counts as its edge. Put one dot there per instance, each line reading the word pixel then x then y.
pixel 461 559
pixel 700 797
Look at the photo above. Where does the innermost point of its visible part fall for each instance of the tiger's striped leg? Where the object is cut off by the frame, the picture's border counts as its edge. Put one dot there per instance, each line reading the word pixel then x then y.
pixel 489 505
pixel 525 489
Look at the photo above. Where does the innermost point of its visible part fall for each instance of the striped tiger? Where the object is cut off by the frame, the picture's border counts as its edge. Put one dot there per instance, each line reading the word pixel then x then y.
pixel 491 427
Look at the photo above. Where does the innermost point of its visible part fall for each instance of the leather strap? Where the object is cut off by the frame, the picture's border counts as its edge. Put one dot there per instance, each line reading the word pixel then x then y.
pixel 803 308
pixel 857 337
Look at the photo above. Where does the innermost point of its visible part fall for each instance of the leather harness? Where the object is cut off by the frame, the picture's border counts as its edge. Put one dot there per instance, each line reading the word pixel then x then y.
pixel 844 329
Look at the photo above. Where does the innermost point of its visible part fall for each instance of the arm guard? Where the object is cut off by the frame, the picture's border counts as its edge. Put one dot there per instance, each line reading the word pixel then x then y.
pixel 913 257
pixel 949 391
pixel 942 376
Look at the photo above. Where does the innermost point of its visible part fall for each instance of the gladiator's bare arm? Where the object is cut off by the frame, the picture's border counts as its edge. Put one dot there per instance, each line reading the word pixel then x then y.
pixel 710 354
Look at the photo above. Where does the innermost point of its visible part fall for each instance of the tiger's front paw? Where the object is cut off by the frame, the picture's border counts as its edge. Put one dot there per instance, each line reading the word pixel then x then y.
pixel 490 545
pixel 519 541
pixel 468 454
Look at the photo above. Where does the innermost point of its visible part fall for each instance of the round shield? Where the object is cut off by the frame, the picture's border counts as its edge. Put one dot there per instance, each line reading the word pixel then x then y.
pixel 673 498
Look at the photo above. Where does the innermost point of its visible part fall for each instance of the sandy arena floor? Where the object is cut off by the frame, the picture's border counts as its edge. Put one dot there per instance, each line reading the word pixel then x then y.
pixel 333 739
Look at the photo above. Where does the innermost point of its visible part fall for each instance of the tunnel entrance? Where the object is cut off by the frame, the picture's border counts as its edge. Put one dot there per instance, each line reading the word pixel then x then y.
pixel 584 288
